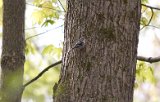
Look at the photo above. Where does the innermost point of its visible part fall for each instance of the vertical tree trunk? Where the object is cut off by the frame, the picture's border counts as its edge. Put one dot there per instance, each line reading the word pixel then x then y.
pixel 13 58
pixel 104 70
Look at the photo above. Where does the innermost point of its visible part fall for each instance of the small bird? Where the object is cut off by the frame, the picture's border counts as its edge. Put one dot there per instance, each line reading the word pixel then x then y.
pixel 79 44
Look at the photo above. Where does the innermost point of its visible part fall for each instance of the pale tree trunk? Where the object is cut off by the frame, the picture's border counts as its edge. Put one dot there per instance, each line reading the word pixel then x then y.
pixel 103 70
pixel 13 58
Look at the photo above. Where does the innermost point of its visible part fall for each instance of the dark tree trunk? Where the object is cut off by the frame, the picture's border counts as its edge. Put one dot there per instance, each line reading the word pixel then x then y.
pixel 104 70
pixel 13 58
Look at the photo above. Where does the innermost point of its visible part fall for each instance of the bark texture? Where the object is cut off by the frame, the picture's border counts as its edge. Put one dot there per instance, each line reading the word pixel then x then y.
pixel 13 58
pixel 104 70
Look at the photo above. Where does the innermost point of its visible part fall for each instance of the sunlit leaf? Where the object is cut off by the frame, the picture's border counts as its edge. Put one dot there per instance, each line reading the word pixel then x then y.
pixel 48 22
pixel 144 1
pixel 144 73
pixel 30 48
pixel 38 16
pixel 47 11
pixel 144 21
pixel 48 50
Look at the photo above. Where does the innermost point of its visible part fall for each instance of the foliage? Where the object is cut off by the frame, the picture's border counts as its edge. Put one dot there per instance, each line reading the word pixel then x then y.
pixel 42 88
pixel 30 48
pixel 35 62
pixel 37 58
pixel 144 1
pixel 47 12
pixel 144 73
pixel 149 15
pixel 52 50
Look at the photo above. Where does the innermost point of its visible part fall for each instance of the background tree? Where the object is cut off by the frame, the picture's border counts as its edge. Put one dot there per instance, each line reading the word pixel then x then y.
pixel 13 58
pixel 104 70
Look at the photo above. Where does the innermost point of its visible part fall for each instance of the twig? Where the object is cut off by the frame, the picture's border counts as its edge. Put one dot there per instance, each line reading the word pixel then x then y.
pixel 149 59
pixel 153 26
pixel 38 34
pixel 31 28
pixel 41 73
pixel 149 19
pixel 43 32
pixel 62 6
pixel 150 7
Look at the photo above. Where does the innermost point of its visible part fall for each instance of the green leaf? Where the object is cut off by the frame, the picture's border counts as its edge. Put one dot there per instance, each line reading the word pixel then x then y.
pixel 48 22
pixel 30 48
pixel 38 16
pixel 52 50
pixel 48 50
pixel 150 75
pixel 144 73
pixel 47 10
pixel 144 21
pixel 54 0
pixel 144 1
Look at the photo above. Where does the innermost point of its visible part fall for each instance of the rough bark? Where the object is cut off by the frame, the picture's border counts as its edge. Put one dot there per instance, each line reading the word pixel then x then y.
pixel 104 70
pixel 13 58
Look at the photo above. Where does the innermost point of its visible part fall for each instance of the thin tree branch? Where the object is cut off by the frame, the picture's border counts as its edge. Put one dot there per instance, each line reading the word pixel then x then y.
pixel 148 59
pixel 31 28
pixel 43 32
pixel 38 34
pixel 41 73
pixel 153 26
pixel 150 7
pixel 62 6
pixel 149 19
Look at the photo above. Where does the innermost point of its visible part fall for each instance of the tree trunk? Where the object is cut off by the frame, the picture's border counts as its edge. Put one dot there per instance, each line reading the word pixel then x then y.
pixel 103 70
pixel 13 58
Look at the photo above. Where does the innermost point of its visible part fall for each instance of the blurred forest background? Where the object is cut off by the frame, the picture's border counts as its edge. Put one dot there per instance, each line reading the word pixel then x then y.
pixel 44 41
